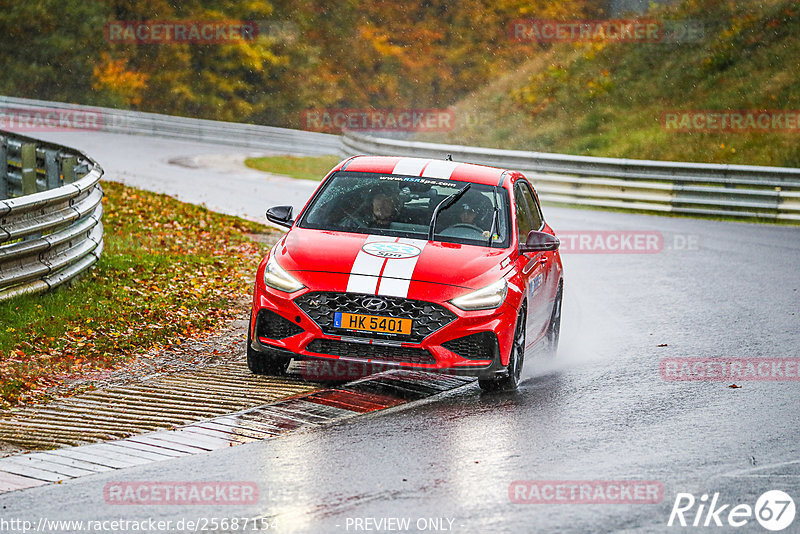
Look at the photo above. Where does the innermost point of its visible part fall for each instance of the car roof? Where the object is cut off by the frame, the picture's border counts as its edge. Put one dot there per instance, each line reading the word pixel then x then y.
pixel 430 168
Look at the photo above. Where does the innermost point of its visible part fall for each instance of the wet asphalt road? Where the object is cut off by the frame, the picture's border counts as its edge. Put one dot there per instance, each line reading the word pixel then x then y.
pixel 211 175
pixel 599 411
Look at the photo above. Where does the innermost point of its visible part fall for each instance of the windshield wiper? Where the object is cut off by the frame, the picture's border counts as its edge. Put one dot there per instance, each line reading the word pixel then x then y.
pixel 494 218
pixel 443 205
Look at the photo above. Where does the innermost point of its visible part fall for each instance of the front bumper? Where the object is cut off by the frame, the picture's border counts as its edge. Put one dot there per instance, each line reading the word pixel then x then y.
pixel 298 332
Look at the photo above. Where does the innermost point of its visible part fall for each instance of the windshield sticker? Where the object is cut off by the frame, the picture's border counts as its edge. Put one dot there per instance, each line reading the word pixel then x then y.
pixel 416 180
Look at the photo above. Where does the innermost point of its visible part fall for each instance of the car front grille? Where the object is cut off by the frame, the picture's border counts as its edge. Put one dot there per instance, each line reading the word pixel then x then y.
pixel 272 326
pixel 387 353
pixel 426 316
pixel 480 346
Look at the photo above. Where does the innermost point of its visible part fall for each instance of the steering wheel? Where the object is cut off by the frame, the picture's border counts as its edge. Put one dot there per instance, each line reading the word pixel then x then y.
pixel 467 225
pixel 354 220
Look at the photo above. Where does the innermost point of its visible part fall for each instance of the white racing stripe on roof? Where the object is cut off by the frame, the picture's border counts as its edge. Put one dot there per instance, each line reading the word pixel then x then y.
pixel 397 273
pixel 366 269
pixel 410 166
pixel 440 169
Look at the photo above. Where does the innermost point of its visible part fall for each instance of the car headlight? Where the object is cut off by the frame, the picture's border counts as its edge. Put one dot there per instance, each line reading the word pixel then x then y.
pixel 487 298
pixel 276 277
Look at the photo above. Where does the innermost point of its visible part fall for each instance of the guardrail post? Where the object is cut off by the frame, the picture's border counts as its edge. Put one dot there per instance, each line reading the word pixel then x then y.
pixel 68 168
pixel 43 245
pixel 28 158
pixel 51 169
pixel 3 169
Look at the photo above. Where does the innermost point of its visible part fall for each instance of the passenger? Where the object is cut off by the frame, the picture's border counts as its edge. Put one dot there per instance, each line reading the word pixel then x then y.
pixel 385 207
pixel 380 210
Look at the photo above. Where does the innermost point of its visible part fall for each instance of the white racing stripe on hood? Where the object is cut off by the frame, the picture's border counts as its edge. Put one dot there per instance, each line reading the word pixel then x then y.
pixel 366 268
pixel 410 166
pixel 397 274
pixel 440 169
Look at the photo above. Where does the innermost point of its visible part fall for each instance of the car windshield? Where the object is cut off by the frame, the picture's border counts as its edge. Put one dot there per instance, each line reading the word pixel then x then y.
pixel 403 206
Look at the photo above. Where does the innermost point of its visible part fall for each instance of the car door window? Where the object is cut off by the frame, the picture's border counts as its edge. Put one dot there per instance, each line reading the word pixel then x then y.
pixel 536 220
pixel 523 213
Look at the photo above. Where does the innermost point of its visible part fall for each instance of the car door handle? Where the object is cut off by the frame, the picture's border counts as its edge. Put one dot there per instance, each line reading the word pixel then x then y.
pixel 530 266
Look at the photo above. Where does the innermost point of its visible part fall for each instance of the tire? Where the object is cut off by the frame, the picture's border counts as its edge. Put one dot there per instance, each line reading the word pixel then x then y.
pixel 550 344
pixel 511 379
pixel 264 363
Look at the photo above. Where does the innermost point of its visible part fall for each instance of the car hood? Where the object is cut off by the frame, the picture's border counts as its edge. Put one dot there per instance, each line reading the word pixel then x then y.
pixel 368 257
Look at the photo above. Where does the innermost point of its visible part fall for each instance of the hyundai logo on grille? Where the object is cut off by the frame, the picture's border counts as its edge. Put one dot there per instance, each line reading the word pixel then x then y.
pixel 374 304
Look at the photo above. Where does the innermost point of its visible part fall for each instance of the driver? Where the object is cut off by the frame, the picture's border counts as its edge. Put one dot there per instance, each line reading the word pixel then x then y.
pixel 474 210
pixel 468 214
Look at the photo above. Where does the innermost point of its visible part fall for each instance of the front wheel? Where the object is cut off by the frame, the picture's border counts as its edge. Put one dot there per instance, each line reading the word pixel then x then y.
pixel 511 379
pixel 264 363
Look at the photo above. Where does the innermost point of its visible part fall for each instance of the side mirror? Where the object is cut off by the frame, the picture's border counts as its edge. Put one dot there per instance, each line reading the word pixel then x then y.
pixel 538 242
pixel 281 215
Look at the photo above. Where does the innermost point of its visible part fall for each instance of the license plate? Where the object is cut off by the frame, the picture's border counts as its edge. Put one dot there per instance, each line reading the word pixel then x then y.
pixel 372 323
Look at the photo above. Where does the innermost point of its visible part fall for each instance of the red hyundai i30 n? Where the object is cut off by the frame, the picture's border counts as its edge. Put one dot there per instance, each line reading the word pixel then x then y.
pixel 411 263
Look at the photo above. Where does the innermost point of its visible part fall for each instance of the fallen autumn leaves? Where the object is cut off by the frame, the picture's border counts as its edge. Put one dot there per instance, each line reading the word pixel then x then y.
pixel 169 271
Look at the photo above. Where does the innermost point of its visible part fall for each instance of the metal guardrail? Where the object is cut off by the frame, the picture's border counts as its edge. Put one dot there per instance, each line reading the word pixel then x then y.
pixel 50 210
pixel 747 192
pixel 741 191
pixel 217 132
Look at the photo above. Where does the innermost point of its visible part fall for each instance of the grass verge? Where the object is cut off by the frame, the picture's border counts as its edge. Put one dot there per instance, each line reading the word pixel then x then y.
pixel 306 168
pixel 610 98
pixel 169 271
